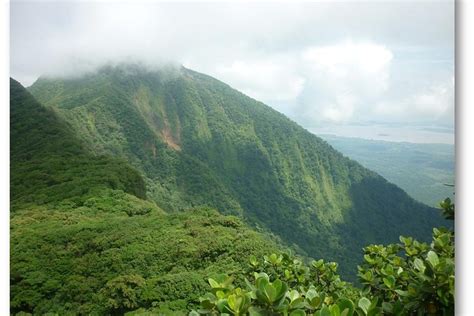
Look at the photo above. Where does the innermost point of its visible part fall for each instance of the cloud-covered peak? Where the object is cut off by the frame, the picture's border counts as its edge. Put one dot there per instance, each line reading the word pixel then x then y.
pixel 317 62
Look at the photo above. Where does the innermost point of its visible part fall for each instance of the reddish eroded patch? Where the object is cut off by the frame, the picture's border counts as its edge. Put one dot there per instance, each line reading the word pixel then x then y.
pixel 169 139
pixel 142 103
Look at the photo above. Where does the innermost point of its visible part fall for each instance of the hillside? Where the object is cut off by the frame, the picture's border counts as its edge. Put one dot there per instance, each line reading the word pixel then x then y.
pixel 422 170
pixel 199 142
pixel 83 238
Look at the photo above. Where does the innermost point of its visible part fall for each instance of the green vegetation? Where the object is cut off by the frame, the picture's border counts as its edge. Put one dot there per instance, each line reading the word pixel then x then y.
pixel 94 172
pixel 87 260
pixel 84 241
pixel 422 170
pixel 49 165
pixel 407 278
pixel 198 142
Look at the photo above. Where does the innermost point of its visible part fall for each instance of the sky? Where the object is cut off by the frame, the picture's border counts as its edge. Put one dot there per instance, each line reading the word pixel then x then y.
pixel 324 64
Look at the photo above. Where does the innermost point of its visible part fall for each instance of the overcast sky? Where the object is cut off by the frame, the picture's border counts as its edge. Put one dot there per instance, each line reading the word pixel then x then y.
pixel 323 63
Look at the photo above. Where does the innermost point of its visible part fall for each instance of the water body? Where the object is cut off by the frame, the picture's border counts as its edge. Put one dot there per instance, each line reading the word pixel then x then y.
pixel 392 133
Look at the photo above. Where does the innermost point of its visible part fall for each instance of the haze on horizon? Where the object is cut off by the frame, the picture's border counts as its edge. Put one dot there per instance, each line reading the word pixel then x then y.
pixel 324 64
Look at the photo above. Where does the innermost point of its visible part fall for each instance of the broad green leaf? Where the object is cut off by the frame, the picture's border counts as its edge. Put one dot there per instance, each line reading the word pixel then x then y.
pixel 324 312
pixel 260 275
pixel 256 311
pixel 401 293
pixel 253 260
pixel 214 283
pixel 419 265
pixel 389 282
pixel 298 312
pixel 293 295
pixel 222 305
pixel 364 304
pixel 346 305
pixel 298 303
pixel 335 310
pixel 369 259
pixel 311 293
pixel 432 258
pixel 387 307
pixel 233 302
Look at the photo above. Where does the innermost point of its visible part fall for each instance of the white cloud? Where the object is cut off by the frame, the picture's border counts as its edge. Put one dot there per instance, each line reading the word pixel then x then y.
pixel 294 56
pixel 273 79
pixel 344 77
pixel 434 103
pixel 361 56
pixel 341 110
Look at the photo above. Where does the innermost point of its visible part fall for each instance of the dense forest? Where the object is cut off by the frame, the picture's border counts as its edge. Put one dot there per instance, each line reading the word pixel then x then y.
pixel 131 187
pixel 81 228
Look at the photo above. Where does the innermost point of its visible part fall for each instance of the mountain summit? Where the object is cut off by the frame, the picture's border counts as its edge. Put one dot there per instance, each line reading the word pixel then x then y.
pixel 197 141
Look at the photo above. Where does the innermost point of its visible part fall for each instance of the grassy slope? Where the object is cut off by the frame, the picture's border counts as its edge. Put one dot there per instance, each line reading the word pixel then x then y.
pixel 198 141
pixel 83 240
pixel 420 169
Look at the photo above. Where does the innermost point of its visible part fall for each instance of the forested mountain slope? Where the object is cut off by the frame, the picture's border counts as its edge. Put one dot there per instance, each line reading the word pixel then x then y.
pixel 83 239
pixel 197 141
pixel 48 162
pixel 422 170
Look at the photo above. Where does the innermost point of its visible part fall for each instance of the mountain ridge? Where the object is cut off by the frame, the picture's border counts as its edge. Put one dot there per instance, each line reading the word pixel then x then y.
pixel 85 241
pixel 198 141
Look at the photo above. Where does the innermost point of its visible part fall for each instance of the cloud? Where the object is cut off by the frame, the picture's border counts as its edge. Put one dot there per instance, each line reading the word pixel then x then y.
pixel 317 62
pixel 435 103
pixel 273 79
pixel 343 78
pixel 365 57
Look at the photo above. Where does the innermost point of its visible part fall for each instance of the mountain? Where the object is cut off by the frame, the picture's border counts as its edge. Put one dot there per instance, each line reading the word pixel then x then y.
pixel 422 170
pixel 48 162
pixel 85 240
pixel 197 141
